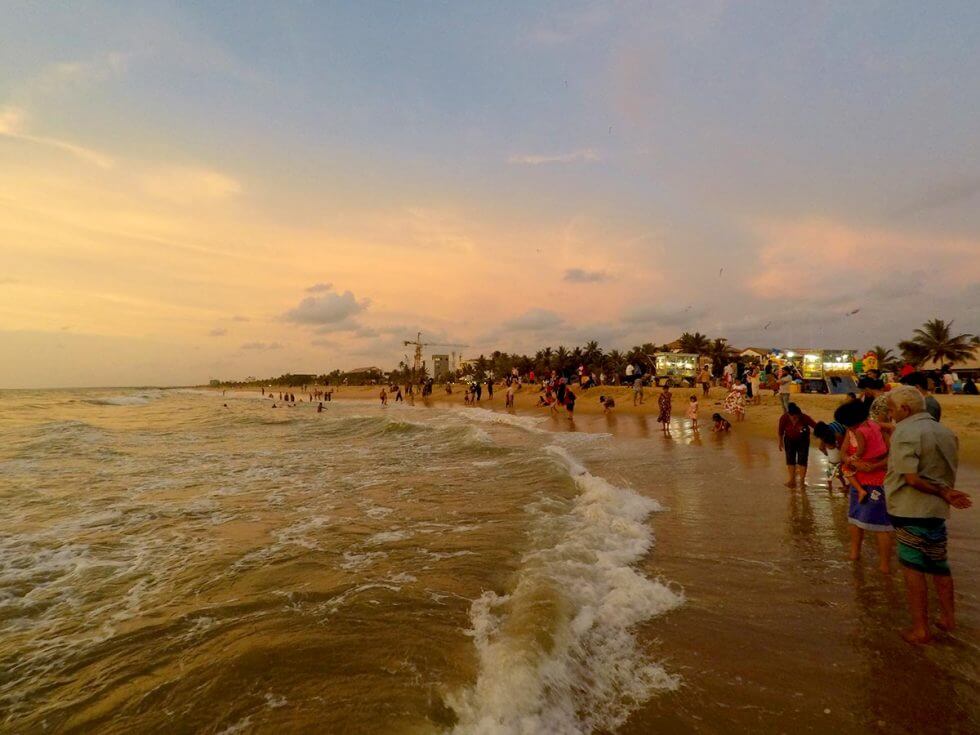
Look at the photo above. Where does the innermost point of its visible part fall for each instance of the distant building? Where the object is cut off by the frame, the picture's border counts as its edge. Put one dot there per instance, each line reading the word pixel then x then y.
pixel 215 382
pixel 440 367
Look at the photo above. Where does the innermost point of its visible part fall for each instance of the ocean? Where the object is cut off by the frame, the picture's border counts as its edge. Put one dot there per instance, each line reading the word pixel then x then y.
pixel 182 561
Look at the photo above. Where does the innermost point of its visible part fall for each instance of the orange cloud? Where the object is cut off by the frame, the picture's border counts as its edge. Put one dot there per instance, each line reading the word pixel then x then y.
pixel 820 253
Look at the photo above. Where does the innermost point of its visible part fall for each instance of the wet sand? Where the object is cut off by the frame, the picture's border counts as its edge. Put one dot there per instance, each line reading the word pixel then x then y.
pixel 779 631
pixel 961 413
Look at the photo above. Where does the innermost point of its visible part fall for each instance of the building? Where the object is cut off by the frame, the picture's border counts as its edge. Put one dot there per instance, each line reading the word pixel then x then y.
pixel 440 367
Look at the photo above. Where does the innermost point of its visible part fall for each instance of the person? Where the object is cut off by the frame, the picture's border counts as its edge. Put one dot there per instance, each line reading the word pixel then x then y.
pixel 509 399
pixel 489 388
pixel 785 381
pixel 969 387
pixel 319 407
pixel 755 384
pixel 569 401
pixel 793 432
pixel 398 394
pixel 692 412
pixel 866 453
pixel 949 378
pixel 720 424
pixel 876 402
pixel 608 403
pixel 638 390
pixel 831 437
pixel 919 486
pixel 664 404
pixel 705 379
pixel 384 397
pixel 735 400
pixel 918 381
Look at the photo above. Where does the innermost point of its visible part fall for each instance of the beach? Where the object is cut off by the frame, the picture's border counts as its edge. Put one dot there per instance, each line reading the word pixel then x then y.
pixel 961 413
pixel 208 563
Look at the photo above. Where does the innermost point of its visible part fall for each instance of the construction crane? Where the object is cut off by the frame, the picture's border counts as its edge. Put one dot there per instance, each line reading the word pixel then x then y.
pixel 419 344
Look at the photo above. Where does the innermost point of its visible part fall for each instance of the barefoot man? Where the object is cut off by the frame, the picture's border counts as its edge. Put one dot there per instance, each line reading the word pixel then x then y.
pixel 919 491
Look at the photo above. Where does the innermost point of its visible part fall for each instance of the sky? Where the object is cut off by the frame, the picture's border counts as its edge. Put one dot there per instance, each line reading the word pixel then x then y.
pixel 220 190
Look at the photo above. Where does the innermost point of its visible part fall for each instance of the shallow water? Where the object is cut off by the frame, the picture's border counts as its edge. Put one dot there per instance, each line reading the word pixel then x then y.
pixel 172 565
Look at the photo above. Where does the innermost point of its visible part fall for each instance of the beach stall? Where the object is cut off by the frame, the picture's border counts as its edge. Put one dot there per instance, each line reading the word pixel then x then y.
pixel 812 371
pixel 677 368
pixel 838 371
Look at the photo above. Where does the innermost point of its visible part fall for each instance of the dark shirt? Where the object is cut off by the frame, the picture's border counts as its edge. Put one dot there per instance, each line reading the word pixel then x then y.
pixel 795 430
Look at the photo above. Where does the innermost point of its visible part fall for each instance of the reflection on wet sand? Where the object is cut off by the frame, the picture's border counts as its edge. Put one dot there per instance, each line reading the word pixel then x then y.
pixel 780 632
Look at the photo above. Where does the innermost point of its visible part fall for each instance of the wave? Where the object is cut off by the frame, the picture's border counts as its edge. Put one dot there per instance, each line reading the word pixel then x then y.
pixel 141 399
pixel 559 652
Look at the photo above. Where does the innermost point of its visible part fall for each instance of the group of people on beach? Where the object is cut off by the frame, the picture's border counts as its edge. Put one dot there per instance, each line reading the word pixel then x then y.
pixel 897 464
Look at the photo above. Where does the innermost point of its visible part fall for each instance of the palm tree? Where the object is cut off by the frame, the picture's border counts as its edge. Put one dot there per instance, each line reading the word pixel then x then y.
pixel 697 343
pixel 887 360
pixel 720 353
pixel 613 363
pixel 560 359
pixel 592 353
pixel 934 340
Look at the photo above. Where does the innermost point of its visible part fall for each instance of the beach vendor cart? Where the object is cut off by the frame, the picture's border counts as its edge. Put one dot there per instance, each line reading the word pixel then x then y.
pixel 676 368
pixel 811 369
pixel 838 371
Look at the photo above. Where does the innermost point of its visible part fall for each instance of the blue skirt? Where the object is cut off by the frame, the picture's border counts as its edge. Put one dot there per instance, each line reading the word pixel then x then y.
pixel 870 515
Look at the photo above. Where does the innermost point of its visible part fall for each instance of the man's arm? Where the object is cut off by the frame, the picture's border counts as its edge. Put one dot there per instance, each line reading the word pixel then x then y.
pixel 956 498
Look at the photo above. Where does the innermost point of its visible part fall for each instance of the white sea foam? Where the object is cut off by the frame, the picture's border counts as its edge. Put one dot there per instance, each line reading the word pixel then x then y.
pixel 559 653
pixel 387 537
pixel 140 399
pixel 528 423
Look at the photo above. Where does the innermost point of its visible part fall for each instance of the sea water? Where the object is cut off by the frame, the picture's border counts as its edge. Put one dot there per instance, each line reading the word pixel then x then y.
pixel 182 561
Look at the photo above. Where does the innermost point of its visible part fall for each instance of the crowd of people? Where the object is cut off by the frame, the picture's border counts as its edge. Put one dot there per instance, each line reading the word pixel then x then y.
pixel 897 463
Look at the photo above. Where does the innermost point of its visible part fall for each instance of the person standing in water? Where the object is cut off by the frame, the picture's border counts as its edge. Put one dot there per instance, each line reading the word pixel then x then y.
pixel 664 404
pixel 794 439
pixel 865 454
pixel 692 412
pixel 922 464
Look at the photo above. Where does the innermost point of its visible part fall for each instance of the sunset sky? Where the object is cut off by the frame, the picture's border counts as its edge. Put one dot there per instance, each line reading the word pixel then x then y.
pixel 197 190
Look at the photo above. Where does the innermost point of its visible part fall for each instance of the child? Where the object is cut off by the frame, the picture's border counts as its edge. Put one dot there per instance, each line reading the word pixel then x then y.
pixel 831 438
pixel 384 397
pixel 509 401
pixel 692 412
pixel 721 424
pixel 664 403
pixel 607 402
pixel 569 402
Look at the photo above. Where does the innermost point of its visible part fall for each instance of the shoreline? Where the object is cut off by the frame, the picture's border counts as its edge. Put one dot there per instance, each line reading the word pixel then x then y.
pixel 960 413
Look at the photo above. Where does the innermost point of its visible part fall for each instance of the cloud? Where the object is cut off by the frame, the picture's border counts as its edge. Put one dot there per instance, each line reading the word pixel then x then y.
pixel 320 288
pixel 13 124
pixel 939 196
pixel 262 346
pixel 577 275
pixel 567 26
pixel 330 311
pixel 899 286
pixel 534 319
pixel 240 318
pixel 6 281
pixel 218 332
pixel 189 184
pixel 664 316
pixel 533 159
pixel 788 245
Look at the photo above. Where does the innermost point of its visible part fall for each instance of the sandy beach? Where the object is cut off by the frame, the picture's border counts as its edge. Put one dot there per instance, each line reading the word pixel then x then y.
pixel 779 631
pixel 961 413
